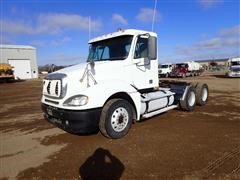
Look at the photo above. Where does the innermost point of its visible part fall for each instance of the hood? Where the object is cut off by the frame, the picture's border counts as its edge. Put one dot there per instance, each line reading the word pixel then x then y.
pixel 164 70
pixel 73 71
pixel 98 66
pixel 102 70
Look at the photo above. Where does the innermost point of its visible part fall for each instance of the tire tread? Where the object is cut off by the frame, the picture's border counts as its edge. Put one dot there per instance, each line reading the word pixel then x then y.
pixel 199 88
pixel 104 114
pixel 184 103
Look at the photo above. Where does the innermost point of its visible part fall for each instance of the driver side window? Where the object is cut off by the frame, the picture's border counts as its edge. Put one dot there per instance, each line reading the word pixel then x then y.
pixel 141 49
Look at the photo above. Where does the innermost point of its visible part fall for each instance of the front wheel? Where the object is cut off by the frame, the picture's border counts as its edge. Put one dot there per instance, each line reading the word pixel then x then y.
pixel 116 118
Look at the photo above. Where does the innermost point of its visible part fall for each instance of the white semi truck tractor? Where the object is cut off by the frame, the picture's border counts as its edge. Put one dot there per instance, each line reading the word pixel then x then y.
pixel 233 67
pixel 116 86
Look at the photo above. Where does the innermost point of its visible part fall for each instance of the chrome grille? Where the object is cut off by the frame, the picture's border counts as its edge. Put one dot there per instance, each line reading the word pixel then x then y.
pixel 48 87
pixel 52 88
pixel 56 88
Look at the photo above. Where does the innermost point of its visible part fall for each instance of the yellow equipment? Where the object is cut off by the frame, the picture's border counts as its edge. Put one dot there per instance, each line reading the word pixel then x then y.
pixel 6 72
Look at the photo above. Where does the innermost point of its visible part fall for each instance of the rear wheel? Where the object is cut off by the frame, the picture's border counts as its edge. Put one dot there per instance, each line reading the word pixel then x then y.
pixel 189 102
pixel 202 93
pixel 116 118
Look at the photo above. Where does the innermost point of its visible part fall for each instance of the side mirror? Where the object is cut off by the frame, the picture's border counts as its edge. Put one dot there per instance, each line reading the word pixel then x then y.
pixel 137 61
pixel 152 48
pixel 146 61
pixel 142 61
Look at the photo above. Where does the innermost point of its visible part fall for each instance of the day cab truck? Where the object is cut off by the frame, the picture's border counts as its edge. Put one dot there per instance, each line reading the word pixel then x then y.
pixel 165 70
pixel 186 69
pixel 233 67
pixel 117 86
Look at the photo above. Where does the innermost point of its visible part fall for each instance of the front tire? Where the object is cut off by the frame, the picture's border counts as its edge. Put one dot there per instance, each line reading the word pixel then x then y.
pixel 116 118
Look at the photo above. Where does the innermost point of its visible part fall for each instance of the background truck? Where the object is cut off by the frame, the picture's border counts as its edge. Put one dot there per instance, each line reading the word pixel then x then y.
pixel 185 69
pixel 6 72
pixel 165 70
pixel 233 67
pixel 117 86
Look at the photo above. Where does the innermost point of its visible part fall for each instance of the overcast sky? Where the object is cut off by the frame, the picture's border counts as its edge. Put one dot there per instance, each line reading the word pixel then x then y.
pixel 187 29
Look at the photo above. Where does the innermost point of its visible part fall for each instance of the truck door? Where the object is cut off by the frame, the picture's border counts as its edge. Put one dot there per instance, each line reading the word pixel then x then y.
pixel 145 68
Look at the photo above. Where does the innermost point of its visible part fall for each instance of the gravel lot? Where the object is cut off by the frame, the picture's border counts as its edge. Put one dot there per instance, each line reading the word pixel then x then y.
pixel 204 143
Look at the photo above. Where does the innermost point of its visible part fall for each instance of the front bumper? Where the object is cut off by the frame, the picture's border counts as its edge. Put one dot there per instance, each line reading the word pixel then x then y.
pixel 233 74
pixel 162 74
pixel 73 121
pixel 177 74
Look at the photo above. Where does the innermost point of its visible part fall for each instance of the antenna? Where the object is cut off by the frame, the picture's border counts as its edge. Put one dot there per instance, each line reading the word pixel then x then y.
pixel 89 28
pixel 93 28
pixel 154 14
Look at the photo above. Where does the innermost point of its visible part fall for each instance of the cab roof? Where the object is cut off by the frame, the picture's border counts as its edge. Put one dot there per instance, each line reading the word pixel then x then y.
pixel 121 32
pixel 235 59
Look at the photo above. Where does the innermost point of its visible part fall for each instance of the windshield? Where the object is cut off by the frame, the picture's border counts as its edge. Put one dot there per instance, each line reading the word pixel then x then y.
pixel 235 63
pixel 110 49
pixel 164 66
pixel 181 65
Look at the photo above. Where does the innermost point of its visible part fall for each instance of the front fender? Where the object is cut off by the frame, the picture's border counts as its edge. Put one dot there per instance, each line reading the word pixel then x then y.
pixel 98 94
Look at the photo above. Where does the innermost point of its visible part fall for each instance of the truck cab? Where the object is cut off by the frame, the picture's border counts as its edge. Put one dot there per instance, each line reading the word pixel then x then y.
pixel 234 67
pixel 165 70
pixel 117 85
pixel 180 70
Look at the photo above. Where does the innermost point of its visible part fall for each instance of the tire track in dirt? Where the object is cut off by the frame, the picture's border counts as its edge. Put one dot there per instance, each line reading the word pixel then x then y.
pixel 7 107
pixel 219 166
pixel 20 151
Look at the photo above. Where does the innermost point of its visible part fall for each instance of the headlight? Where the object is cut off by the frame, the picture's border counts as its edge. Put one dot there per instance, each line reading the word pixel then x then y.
pixel 78 100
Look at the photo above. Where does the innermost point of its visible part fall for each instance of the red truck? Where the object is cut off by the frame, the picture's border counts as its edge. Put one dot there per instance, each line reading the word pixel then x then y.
pixel 185 69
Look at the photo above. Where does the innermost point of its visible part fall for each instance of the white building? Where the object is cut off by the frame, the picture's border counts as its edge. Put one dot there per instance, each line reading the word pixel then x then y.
pixel 22 58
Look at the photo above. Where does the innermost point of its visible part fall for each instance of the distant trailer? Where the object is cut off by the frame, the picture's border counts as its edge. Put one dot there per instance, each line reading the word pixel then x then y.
pixel 22 59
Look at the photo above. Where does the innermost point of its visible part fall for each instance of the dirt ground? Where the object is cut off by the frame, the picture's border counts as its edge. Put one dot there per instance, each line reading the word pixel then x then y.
pixel 203 144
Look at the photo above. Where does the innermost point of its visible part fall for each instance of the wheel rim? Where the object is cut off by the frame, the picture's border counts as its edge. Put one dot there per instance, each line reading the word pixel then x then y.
pixel 204 94
pixel 119 119
pixel 191 99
